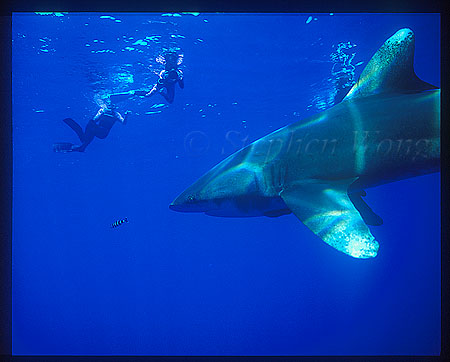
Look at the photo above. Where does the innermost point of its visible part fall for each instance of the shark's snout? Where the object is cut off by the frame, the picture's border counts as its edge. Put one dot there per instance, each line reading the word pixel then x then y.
pixel 176 207
pixel 180 204
pixel 188 202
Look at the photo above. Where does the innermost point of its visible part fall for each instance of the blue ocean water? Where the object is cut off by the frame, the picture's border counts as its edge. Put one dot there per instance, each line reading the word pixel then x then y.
pixel 167 283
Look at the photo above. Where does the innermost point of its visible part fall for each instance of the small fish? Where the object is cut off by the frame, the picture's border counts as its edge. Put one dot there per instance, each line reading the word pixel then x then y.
pixel 119 222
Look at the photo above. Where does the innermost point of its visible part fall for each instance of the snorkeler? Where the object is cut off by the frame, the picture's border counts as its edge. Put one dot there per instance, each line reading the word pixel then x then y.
pixel 98 127
pixel 167 78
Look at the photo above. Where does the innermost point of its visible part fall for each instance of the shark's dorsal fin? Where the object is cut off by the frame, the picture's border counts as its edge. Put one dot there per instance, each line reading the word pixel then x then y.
pixel 391 69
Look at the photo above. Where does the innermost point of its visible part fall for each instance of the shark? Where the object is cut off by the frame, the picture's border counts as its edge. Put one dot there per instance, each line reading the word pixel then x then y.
pixel 387 128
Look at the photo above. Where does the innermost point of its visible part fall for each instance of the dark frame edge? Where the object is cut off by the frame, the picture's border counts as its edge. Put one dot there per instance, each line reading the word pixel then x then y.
pixel 6 186
pixel 445 250
pixel 6 199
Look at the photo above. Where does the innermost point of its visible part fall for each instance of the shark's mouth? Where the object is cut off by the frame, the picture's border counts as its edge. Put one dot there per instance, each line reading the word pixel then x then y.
pixel 186 208
pixel 193 207
pixel 179 208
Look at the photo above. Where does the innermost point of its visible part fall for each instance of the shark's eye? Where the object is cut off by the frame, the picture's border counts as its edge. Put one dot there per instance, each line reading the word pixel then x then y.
pixel 191 198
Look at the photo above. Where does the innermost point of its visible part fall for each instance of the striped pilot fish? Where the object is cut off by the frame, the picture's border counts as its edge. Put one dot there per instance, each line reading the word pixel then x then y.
pixel 119 222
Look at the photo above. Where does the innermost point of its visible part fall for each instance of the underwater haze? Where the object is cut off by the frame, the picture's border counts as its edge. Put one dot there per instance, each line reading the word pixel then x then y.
pixel 102 266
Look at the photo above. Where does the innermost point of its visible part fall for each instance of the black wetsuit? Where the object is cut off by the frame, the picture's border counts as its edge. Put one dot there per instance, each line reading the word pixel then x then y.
pixel 99 128
pixel 166 84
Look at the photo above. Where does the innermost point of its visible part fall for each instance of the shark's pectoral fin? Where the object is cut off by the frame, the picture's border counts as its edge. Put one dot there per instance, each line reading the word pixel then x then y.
pixel 326 209
pixel 369 217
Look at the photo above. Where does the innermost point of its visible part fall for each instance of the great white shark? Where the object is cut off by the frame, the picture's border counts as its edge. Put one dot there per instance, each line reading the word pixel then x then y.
pixel 387 128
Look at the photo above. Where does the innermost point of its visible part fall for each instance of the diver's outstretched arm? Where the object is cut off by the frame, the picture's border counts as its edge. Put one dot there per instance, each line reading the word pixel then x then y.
pixel 152 91
pixel 125 119
pixel 99 113
pixel 140 93
pixel 180 78
pixel 119 117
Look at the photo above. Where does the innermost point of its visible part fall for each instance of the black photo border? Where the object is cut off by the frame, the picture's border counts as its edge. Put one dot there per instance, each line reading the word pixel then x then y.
pixel 280 6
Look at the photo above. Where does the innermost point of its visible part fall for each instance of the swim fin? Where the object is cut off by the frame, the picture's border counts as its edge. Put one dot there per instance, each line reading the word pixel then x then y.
pixel 63 147
pixel 76 127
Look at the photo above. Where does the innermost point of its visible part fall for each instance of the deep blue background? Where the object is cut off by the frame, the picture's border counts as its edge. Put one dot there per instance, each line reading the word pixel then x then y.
pixel 183 284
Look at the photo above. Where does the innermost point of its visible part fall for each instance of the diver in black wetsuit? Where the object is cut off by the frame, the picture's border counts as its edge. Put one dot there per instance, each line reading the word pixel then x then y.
pixel 170 76
pixel 98 127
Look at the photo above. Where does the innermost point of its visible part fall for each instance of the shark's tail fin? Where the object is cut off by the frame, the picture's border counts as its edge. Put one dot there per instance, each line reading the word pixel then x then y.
pixel 391 69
